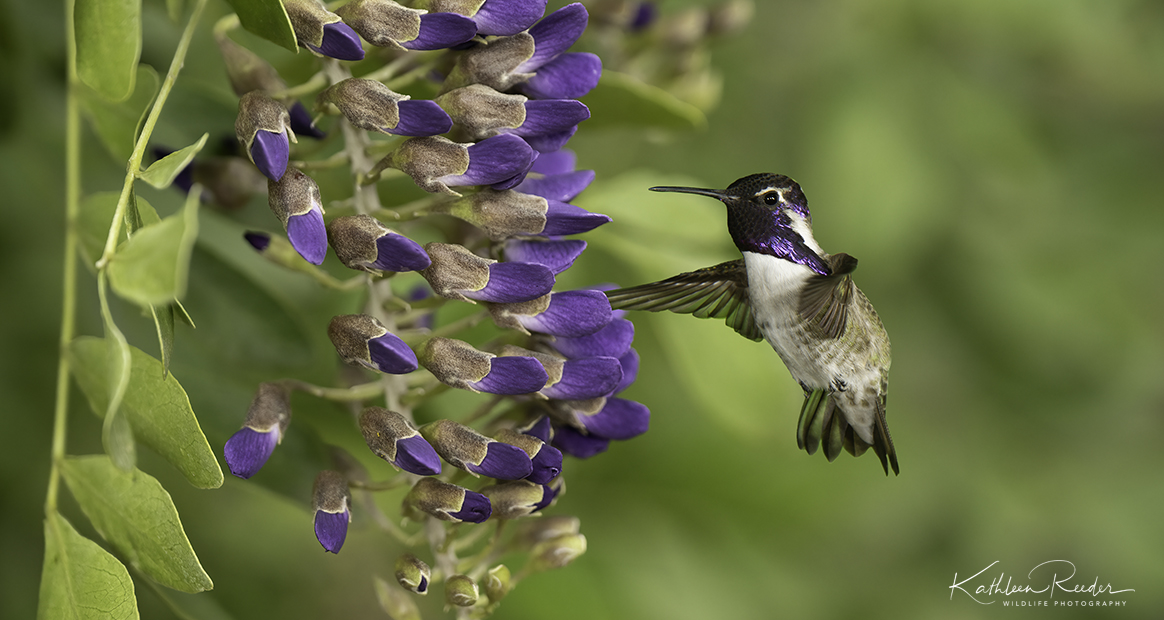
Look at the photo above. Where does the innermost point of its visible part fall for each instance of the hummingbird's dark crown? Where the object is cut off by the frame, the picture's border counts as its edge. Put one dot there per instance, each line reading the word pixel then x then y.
pixel 772 192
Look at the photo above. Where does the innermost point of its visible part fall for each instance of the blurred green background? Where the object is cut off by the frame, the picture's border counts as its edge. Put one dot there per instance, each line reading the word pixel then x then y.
pixel 996 167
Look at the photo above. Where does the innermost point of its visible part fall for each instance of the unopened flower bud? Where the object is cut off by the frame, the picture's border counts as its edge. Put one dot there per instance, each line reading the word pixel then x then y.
pixel 245 69
pixel 613 340
pixel 496 583
pixel 361 340
pixel 296 202
pixel 516 498
pixel 535 531
pixel 458 364
pixel 539 427
pixel 494 65
pixel 560 186
pixel 461 591
pixel 331 501
pixel 385 23
pixel 262 128
pixel 457 273
pixel 482 112
pixel 557 254
pixel 372 106
pixel 565 313
pixel 557 74
pixel 557 552
pixel 493 17
pixel 302 123
pixel 362 242
pixel 575 379
pixel 437 164
pixel 447 502
pixel 230 181
pixel 412 574
pixel 267 418
pixel 479 455
pixel 609 418
pixel 391 437
pixel 578 444
pixel 322 31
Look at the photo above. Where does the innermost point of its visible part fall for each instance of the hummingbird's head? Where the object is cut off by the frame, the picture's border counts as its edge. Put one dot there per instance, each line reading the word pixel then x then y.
pixel 767 214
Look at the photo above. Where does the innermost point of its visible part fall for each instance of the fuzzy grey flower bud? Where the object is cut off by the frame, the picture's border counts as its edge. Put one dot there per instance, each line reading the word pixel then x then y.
pixel 497 583
pixel 390 436
pixel 361 340
pixel 480 110
pixel 412 574
pixel 267 418
pixel 245 69
pixel 514 499
pixel 367 104
pixel 385 23
pixel 460 365
pixel 461 591
pixel 331 501
pixel 493 65
pixel 362 242
pixel 479 455
pixel 444 501
pixel 263 128
pixel 536 531
pixel 295 200
pixel 457 273
pixel 322 31
pixel 557 552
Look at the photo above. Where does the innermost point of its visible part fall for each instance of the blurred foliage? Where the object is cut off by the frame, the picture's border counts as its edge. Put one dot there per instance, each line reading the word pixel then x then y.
pixel 995 167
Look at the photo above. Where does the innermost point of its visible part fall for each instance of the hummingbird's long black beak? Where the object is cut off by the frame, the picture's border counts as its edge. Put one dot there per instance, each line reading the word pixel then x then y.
pixel 718 194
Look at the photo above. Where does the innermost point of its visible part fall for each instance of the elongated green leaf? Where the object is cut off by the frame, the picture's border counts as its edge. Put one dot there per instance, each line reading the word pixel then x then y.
pixel 268 19
pixel 162 173
pixel 95 217
pixel 80 580
pixel 153 265
pixel 117 123
pixel 108 45
pixel 155 405
pixel 624 100
pixel 164 321
pixel 134 513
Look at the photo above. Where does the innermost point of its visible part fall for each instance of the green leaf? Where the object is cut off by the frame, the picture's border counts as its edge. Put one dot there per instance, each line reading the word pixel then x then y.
pixel 116 433
pixel 174 10
pixel 268 19
pixel 133 512
pixel 162 173
pixel 80 580
pixel 153 265
pixel 622 100
pixel 164 322
pixel 94 220
pixel 117 124
pixel 155 405
pixel 108 45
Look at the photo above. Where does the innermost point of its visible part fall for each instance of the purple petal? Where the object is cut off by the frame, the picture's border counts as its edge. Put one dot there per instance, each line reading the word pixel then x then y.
pixel 566 219
pixel 540 428
pixel 331 528
pixel 571 314
pixel 415 456
pixel 613 340
pixel 555 163
pixel 589 377
pixel 504 462
pixel 516 179
pixel 568 76
pixel 549 143
pixel 630 369
pixel 554 35
pixel 421 117
pixel 308 235
pixel 558 255
pixel 493 160
pixel 548 495
pixel 564 186
pixel 574 443
pixel 422 587
pixel 270 152
pixel 391 355
pixel 550 116
pixel 619 419
pixel 644 16
pixel 339 42
pixel 508 17
pixel 399 253
pixel 474 509
pixel 547 464
pixel 512 375
pixel 513 282
pixel 440 31
pixel 258 240
pixel 302 124
pixel 247 450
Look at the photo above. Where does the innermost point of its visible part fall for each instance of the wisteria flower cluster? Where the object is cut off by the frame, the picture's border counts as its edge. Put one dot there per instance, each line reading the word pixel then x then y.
pixel 487 146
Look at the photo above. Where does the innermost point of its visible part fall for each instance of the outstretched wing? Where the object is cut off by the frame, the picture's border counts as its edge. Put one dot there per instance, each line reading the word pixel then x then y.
pixel 719 292
pixel 824 301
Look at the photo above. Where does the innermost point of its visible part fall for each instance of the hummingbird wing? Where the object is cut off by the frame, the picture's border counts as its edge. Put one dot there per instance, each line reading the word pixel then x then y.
pixel 825 300
pixel 719 292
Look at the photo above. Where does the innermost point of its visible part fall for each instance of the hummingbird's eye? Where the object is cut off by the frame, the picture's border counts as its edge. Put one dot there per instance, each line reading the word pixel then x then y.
pixel 771 198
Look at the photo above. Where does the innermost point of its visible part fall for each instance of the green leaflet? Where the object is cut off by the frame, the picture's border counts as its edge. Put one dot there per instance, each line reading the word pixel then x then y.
pixel 133 512
pixel 268 19
pixel 96 215
pixel 108 36
pixel 80 580
pixel 162 173
pixel 117 123
pixel 156 406
pixel 152 266
pixel 622 100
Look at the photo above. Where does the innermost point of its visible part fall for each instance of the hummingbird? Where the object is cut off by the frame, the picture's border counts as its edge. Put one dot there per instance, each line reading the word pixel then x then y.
pixel 788 291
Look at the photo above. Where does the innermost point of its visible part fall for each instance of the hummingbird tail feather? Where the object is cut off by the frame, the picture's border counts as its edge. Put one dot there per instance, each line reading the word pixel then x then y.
pixel 821 423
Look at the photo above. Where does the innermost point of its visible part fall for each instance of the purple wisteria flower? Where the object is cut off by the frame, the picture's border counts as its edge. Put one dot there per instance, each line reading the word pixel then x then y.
pixel 267 418
pixel 493 17
pixel 262 128
pixel 302 123
pixel 559 74
pixel 437 164
pixel 458 364
pixel 331 501
pixel 481 111
pixel 322 32
pixel 494 160
pixel 391 437
pixel 362 242
pixel 339 42
pixel 413 574
pixel 564 313
pixel 361 340
pixel 518 498
pixel 587 377
pixel 447 502
pixel 556 254
pixel 372 106
pixel 545 459
pixel 385 23
pixel 613 340
pixel 457 273
pixel 296 202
